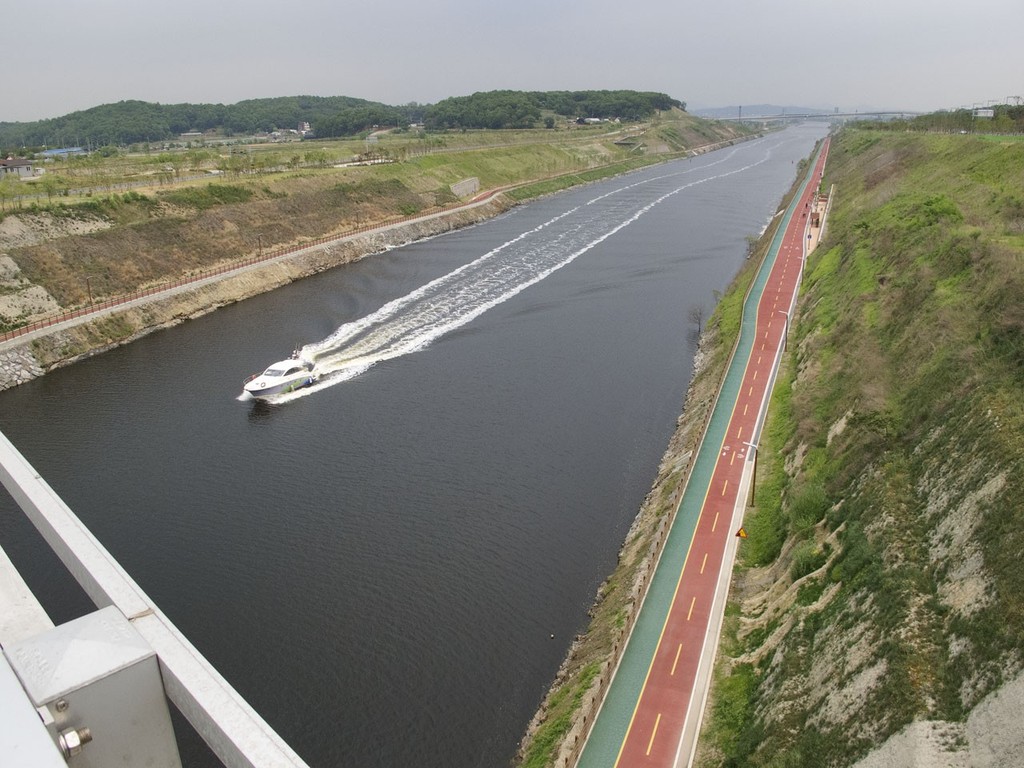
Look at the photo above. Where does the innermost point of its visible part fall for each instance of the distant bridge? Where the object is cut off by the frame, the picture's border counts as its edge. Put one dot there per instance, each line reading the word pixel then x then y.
pixel 786 116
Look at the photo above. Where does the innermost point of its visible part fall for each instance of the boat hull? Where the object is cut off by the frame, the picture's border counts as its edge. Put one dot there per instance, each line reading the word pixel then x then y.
pixel 260 389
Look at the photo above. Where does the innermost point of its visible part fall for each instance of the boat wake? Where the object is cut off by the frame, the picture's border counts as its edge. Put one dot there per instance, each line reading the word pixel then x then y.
pixel 412 322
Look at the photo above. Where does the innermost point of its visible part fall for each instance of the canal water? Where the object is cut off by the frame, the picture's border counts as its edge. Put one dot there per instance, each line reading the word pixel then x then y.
pixel 391 566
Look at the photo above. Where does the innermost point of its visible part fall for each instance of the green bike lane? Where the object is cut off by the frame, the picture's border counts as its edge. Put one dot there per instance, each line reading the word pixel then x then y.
pixel 620 710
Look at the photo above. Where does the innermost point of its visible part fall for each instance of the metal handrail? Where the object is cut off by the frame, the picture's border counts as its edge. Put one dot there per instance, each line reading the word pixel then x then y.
pixel 233 730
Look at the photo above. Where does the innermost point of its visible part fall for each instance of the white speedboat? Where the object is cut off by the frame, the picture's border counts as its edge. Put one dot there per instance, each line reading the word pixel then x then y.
pixel 281 377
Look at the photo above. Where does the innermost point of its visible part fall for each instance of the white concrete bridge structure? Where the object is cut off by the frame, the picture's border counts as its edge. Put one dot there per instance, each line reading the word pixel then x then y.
pixel 94 692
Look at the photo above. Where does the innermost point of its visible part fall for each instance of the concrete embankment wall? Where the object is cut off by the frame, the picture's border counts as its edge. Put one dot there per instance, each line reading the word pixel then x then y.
pixel 26 358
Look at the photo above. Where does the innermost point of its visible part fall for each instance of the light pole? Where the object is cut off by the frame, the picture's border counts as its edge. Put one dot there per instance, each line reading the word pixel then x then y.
pixel 785 335
pixel 753 474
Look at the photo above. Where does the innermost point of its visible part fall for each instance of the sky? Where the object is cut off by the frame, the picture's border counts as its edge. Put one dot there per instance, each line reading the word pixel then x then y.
pixel 61 56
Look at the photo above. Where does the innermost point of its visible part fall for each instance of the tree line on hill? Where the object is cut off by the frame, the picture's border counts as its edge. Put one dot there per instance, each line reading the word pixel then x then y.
pixel 135 122
pixel 1005 118
pixel 523 109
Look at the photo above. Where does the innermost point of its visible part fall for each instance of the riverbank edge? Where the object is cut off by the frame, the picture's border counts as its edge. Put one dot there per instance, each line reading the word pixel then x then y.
pixel 62 345
pixel 556 734
pixel 35 354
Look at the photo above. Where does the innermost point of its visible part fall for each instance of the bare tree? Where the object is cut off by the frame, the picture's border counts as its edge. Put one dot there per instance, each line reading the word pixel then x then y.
pixel 52 185
pixel 752 241
pixel 696 316
pixel 8 189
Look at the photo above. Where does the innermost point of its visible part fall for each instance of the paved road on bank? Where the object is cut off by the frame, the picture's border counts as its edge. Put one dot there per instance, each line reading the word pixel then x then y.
pixel 652 711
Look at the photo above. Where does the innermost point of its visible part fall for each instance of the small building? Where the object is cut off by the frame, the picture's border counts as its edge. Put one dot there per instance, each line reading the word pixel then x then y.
pixel 50 154
pixel 16 166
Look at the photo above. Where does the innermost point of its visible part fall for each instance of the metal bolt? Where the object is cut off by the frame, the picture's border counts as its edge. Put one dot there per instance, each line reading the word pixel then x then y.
pixel 72 741
pixel 61 705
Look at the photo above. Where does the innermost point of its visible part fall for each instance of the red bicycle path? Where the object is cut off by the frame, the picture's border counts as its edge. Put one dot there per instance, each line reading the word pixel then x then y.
pixel 652 709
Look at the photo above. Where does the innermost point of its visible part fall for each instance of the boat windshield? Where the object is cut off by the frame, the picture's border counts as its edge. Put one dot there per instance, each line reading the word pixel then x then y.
pixel 274 371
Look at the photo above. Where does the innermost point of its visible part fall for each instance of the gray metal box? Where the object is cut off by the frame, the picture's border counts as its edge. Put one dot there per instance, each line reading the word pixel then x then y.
pixel 97 672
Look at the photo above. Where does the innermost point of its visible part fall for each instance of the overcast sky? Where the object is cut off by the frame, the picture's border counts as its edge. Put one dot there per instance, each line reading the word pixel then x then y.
pixel 65 55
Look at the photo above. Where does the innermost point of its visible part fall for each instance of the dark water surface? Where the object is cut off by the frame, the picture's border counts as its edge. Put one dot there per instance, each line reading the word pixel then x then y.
pixel 378 565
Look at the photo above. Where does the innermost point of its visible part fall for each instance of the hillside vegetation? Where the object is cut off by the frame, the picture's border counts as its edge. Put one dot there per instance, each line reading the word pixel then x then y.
pixel 131 122
pixel 881 583
pixel 94 245
pixel 140 122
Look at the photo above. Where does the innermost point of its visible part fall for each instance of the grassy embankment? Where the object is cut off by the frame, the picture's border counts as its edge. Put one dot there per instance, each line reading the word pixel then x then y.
pixel 881 582
pixel 171 230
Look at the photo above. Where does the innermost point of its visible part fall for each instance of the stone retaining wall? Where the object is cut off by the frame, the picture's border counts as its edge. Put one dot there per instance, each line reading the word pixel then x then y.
pixel 18 366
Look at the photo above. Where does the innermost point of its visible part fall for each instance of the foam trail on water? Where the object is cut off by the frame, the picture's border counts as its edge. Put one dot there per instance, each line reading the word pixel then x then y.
pixel 412 322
